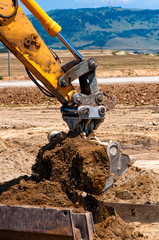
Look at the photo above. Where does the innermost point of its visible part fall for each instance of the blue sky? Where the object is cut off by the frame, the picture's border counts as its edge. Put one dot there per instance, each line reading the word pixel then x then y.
pixel 64 4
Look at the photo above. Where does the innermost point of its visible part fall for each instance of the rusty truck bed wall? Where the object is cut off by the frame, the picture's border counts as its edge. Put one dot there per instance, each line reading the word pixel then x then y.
pixel 44 223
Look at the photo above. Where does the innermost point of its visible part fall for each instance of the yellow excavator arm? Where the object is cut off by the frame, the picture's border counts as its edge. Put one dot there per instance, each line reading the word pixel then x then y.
pixel 82 111
pixel 19 35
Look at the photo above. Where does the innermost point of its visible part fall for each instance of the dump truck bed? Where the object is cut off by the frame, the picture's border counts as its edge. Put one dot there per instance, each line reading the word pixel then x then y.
pixel 17 223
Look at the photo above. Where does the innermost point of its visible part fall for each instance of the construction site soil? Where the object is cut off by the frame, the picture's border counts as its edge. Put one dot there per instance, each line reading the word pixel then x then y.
pixel 137 94
pixel 70 171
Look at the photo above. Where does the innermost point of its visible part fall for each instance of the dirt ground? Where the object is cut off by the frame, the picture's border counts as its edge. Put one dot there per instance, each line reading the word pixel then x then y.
pixel 130 94
pixel 26 119
pixel 110 64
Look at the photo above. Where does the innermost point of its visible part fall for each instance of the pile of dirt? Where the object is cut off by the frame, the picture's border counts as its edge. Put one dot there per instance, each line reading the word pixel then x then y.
pixel 136 94
pixel 113 228
pixel 24 96
pixel 12 158
pixel 71 165
pixel 28 191
pixel 66 173
pixel 135 186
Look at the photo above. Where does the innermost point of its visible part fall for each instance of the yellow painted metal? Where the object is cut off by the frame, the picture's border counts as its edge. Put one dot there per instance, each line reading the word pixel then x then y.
pixel 6 10
pixel 19 35
pixel 48 23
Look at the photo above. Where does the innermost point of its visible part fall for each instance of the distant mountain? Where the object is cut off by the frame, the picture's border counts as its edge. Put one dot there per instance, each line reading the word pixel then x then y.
pixel 107 28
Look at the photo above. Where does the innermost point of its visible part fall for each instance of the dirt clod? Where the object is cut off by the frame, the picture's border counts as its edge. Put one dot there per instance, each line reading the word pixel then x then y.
pixel 75 162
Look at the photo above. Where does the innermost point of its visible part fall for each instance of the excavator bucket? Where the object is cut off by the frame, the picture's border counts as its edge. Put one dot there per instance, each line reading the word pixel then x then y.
pixel 119 163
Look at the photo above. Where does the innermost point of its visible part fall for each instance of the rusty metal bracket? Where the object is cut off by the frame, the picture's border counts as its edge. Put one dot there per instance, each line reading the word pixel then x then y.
pixel 144 213
pixel 32 40
pixel 17 223
pixel 109 101
pixel 119 163
pixel 78 70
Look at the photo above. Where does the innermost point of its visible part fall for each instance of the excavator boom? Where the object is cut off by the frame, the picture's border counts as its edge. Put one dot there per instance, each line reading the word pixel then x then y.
pixel 21 38
pixel 84 111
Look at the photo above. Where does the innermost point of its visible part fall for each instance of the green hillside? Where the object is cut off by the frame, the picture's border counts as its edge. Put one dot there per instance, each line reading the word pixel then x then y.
pixel 107 28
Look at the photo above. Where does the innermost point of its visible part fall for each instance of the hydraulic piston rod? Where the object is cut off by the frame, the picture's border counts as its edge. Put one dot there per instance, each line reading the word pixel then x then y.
pixel 50 25
pixel 69 46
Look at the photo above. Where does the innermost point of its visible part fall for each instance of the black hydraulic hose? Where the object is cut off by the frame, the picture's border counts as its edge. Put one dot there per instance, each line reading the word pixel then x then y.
pixel 15 4
pixel 42 89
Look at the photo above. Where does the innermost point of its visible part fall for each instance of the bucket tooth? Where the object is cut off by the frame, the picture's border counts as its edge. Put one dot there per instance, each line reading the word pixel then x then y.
pixel 119 163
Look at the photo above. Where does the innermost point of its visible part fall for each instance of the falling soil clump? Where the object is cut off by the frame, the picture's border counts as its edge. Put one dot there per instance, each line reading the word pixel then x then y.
pixel 69 172
pixel 78 164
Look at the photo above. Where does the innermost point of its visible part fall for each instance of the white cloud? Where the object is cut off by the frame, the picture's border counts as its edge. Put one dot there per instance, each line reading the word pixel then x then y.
pixel 103 1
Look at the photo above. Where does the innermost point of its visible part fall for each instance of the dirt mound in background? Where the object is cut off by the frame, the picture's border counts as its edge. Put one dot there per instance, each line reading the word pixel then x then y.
pixel 138 94
pixel 12 158
pixel 135 186
pixel 24 96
